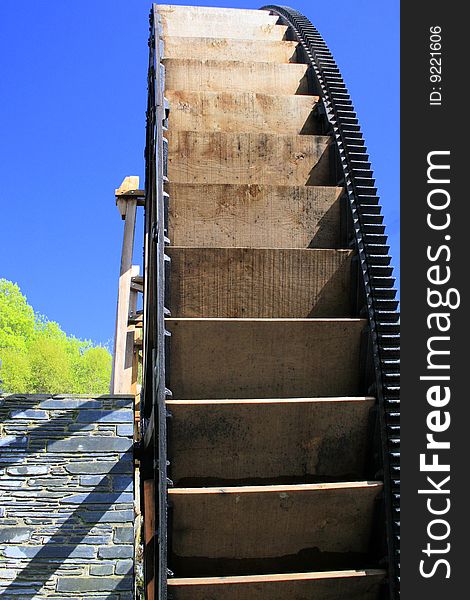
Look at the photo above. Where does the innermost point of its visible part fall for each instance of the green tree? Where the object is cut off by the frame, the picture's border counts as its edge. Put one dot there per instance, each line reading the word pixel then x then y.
pixel 93 371
pixel 38 357
pixel 17 318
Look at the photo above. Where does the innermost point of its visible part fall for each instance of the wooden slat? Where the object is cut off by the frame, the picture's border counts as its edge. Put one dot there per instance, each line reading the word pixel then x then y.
pixel 254 216
pixel 272 522
pixel 237 112
pixel 214 30
pixel 237 158
pixel 328 585
pixel 230 49
pixel 198 15
pixel 264 358
pixel 259 282
pixel 191 21
pixel 235 76
pixel 295 439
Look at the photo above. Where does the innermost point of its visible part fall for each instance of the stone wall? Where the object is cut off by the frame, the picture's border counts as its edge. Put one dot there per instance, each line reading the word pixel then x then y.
pixel 66 497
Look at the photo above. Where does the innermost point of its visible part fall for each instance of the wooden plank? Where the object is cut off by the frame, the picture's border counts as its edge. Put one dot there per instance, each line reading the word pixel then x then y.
pixel 327 585
pixel 150 544
pixel 264 358
pixel 258 441
pixel 242 112
pixel 272 522
pixel 259 282
pixel 237 30
pixel 230 49
pixel 235 76
pixel 237 158
pixel 190 21
pixel 254 216
pixel 193 14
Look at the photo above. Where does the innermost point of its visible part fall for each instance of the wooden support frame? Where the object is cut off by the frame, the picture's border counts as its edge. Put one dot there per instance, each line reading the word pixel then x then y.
pixel 125 358
pixel 128 334
pixel 153 410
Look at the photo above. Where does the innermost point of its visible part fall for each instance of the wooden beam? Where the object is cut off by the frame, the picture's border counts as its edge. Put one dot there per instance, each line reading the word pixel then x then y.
pixel 269 522
pixel 137 287
pixel 132 355
pixel 235 31
pixel 254 216
pixel 150 545
pixel 238 112
pixel 256 158
pixel 327 585
pixel 235 76
pixel 259 282
pixel 294 440
pixel 136 319
pixel 264 358
pixel 121 381
pixel 230 49
pixel 214 14
pixel 219 23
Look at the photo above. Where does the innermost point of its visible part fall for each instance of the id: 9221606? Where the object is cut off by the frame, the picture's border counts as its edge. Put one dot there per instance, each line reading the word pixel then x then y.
pixel 435 65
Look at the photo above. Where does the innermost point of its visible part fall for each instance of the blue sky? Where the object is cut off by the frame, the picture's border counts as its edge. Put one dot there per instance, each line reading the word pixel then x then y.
pixel 72 119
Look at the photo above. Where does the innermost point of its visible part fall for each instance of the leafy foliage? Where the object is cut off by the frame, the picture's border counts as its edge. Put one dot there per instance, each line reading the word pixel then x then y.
pixel 38 357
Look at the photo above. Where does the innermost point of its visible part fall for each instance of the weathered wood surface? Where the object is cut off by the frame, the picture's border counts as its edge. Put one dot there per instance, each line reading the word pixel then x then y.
pixel 259 400
pixel 272 521
pixel 237 158
pixel 229 49
pixel 238 31
pixel 254 216
pixel 195 21
pixel 197 15
pixel 327 585
pixel 254 441
pixel 259 282
pixel 264 358
pixel 237 112
pixel 235 76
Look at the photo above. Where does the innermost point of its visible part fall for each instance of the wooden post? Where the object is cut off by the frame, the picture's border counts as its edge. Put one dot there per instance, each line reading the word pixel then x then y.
pixel 149 538
pixel 132 352
pixel 121 382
